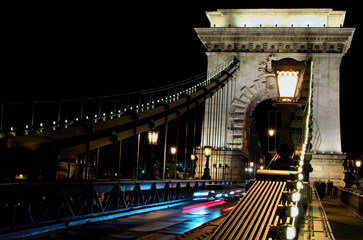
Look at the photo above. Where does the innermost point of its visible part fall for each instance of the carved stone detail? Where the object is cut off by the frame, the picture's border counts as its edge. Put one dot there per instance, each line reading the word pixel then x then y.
pixel 277 40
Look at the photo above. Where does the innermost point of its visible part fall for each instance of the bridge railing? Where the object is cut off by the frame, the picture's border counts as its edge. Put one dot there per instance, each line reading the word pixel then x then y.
pixel 26 117
pixel 29 205
pixel 354 200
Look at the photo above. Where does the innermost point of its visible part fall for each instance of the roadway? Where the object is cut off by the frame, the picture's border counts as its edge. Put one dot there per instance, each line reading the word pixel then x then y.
pixel 160 224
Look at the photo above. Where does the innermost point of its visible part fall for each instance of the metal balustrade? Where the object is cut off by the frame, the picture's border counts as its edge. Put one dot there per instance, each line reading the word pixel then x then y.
pixel 30 205
pixel 354 200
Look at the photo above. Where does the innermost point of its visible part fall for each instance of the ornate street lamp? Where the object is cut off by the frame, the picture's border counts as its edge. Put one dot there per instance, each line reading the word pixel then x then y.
pixel 192 158
pixel 288 72
pixel 358 164
pixel 172 169
pixel 207 153
pixel 152 137
pixel 287 84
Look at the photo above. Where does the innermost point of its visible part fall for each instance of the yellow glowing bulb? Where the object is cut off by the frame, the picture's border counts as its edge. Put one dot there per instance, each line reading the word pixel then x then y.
pixel 271 132
pixel 358 163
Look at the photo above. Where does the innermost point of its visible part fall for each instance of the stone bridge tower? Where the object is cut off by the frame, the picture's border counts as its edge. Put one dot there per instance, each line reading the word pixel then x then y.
pixel 257 37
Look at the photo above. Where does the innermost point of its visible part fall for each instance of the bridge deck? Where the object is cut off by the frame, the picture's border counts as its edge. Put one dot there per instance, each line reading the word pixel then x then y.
pixel 324 220
pixel 27 206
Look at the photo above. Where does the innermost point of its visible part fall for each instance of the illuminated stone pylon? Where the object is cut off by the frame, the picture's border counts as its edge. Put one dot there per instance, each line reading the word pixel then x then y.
pixel 257 37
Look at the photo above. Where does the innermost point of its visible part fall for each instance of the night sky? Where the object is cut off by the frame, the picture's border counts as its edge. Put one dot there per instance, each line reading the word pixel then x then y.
pixel 59 51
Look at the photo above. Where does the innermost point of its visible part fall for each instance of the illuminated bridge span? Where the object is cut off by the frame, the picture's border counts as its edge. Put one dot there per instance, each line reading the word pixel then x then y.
pixel 98 148
pixel 283 47
pixel 209 123
pixel 79 139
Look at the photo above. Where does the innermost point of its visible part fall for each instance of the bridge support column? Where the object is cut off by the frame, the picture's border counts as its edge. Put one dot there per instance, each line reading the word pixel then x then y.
pixel 328 167
pixel 256 46
pixel 328 158
pixel 326 103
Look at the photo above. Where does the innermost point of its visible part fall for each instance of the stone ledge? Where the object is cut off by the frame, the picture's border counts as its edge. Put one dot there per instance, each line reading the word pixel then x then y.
pixel 328 167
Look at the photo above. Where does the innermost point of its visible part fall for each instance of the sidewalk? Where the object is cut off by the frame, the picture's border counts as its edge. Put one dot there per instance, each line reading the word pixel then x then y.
pixel 344 223
pixel 316 225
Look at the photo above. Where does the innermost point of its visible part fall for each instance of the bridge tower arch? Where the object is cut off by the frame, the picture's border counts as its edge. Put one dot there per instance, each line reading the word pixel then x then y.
pixel 257 37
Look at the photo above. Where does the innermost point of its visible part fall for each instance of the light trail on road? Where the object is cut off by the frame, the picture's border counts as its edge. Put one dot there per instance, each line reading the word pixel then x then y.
pixel 200 206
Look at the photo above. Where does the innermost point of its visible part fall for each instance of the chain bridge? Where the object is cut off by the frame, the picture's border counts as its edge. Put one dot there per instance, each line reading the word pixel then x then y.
pixel 75 161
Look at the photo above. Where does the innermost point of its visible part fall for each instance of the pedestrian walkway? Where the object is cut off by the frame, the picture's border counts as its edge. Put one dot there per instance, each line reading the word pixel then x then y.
pixel 344 223
pixel 316 225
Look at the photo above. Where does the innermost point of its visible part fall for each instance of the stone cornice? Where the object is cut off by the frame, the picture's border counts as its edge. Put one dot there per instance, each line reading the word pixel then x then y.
pixel 334 40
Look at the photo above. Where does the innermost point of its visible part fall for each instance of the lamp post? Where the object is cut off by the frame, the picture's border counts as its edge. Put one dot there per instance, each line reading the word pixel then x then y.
pixel 152 137
pixel 358 164
pixel 192 158
pixel 252 167
pixel 172 169
pixel 272 132
pixel 287 72
pixel 207 153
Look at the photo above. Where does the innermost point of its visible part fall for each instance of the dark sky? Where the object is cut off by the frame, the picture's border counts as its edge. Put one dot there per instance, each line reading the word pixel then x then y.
pixel 72 50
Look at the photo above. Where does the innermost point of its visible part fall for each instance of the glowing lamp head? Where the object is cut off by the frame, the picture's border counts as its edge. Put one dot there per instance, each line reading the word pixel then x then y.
pixel 192 157
pixel 287 72
pixel 152 137
pixel 358 163
pixel 173 150
pixel 207 151
pixel 287 83
pixel 271 132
